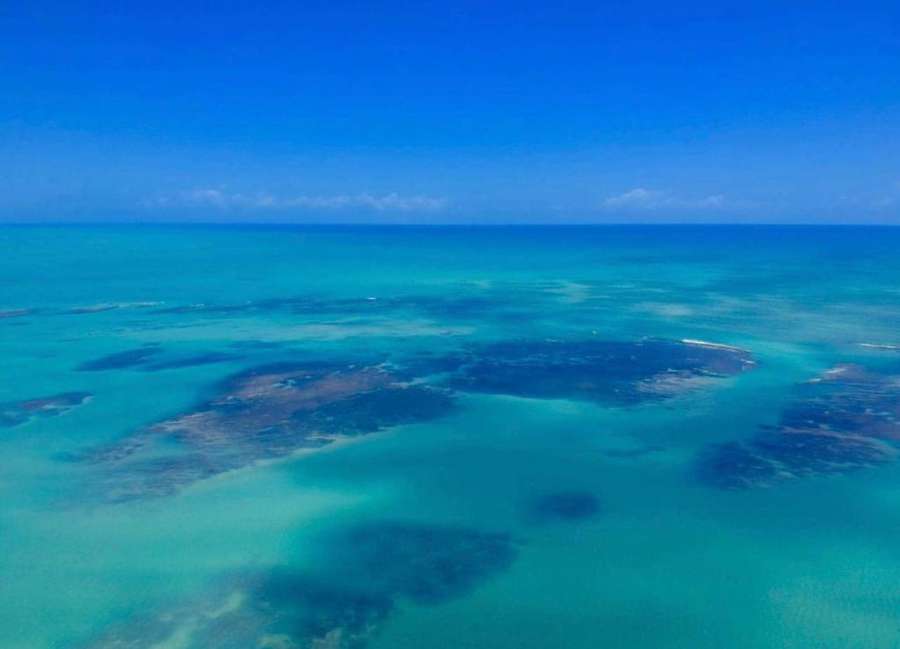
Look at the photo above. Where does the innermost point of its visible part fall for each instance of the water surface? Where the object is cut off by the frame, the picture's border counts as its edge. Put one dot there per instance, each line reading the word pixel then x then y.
pixel 449 437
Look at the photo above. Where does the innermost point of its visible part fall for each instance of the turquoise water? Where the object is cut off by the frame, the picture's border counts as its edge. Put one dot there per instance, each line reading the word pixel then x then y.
pixel 664 559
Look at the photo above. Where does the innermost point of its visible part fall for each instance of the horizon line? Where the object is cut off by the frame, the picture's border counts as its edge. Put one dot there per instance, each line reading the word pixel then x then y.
pixel 467 224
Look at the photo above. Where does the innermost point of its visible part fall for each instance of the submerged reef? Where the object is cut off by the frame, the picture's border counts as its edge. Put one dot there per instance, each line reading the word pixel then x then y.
pixel 427 564
pixel 119 360
pixel 264 413
pixel 565 506
pixel 20 412
pixel 194 360
pixel 845 420
pixel 15 313
pixel 146 359
pixel 92 308
pixel 275 410
pixel 633 453
pixel 290 609
pixel 364 572
pixel 610 372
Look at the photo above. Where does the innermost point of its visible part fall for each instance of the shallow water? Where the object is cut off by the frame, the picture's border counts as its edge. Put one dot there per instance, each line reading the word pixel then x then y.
pixel 568 504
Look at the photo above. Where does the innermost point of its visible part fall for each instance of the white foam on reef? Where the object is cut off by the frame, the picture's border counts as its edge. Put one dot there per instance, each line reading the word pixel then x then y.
pixel 140 305
pixel 665 309
pixel 571 292
pixel 880 346
pixel 832 373
pixel 95 308
pixel 706 343
pixel 108 306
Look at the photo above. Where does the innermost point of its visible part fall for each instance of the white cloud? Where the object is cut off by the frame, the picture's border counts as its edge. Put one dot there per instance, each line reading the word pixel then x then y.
pixel 208 196
pixel 219 199
pixel 638 197
pixel 641 198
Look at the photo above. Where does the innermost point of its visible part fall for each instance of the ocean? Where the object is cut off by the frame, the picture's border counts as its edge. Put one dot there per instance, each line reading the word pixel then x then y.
pixel 412 437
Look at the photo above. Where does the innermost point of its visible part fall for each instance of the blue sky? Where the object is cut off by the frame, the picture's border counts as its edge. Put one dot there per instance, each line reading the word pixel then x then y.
pixel 429 112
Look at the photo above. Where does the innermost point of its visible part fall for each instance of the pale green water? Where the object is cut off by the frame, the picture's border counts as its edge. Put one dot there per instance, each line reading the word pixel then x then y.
pixel 667 561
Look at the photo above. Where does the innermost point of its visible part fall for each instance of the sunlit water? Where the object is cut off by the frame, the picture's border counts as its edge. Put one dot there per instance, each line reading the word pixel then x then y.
pixel 666 560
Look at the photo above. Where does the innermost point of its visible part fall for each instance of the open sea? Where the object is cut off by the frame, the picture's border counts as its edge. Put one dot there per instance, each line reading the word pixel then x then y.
pixel 616 437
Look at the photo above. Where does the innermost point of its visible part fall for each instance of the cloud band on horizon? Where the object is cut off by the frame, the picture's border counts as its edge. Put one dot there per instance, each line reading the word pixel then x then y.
pixel 219 199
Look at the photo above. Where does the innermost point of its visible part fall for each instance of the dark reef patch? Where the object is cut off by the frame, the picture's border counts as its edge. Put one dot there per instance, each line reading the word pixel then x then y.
pixel 119 360
pixel 315 612
pixel 565 506
pixel 96 308
pixel 427 564
pixel 264 413
pixel 365 572
pixel 843 421
pixel 430 364
pixel 156 477
pixel 147 359
pixel 19 412
pixel 603 371
pixel 368 568
pixel 15 313
pixel 189 361
pixel 371 411
pixel 632 453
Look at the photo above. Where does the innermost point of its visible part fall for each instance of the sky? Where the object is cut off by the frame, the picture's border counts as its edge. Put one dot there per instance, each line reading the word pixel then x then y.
pixel 450 112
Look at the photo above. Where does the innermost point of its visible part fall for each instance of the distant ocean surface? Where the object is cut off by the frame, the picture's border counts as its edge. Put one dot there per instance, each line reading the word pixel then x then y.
pixel 606 437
